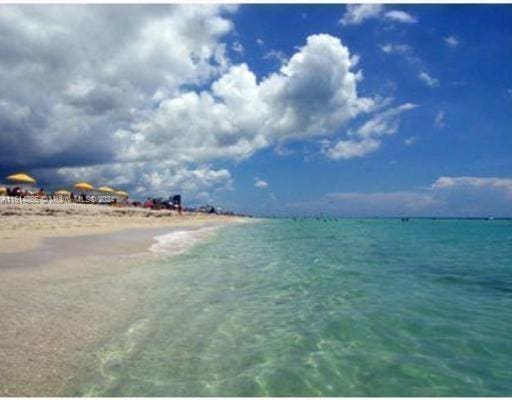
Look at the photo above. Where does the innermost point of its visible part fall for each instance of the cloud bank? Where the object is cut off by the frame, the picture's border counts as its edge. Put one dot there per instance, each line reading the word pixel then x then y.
pixel 445 197
pixel 135 95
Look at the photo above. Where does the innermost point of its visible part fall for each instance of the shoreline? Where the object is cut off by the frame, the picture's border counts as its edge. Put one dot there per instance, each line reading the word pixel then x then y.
pixel 69 290
pixel 24 227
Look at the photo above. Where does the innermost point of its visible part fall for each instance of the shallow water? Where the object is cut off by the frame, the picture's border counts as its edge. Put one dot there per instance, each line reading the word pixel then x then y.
pixel 314 308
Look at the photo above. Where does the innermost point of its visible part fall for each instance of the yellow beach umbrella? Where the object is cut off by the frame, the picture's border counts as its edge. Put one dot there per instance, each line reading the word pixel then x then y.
pixel 22 178
pixel 83 186
pixel 121 193
pixel 63 193
pixel 106 189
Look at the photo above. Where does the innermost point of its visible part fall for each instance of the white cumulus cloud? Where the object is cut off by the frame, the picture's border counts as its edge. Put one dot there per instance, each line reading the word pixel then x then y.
pixel 346 149
pixel 401 16
pixel 156 178
pixel 428 80
pixel 238 47
pixel 260 183
pixel 439 120
pixel 451 41
pixel 355 14
pixel 396 48
pixel 135 95
pixel 367 138
pixel 83 72
pixel 385 122
pixel 313 94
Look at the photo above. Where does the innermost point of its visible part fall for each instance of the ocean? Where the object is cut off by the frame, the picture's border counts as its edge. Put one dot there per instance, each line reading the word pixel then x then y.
pixel 328 307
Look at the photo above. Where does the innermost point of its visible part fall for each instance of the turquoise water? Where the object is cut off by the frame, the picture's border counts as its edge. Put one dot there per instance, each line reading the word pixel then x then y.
pixel 314 308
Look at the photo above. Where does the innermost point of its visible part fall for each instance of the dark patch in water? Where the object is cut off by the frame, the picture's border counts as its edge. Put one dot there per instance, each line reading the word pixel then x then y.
pixel 502 286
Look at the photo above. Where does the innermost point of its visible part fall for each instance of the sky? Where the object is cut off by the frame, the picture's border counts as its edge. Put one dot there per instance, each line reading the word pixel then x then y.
pixel 346 110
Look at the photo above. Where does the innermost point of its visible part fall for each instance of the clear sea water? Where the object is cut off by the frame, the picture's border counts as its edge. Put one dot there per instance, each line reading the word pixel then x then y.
pixel 345 307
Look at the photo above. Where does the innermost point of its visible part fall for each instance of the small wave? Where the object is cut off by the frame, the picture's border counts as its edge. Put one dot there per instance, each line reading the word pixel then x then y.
pixel 177 242
pixel 112 357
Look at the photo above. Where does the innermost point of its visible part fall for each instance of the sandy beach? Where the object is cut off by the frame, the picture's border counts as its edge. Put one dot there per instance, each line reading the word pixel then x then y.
pixel 24 226
pixel 68 278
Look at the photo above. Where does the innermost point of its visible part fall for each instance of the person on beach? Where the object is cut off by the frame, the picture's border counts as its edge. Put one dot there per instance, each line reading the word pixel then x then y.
pixel 148 203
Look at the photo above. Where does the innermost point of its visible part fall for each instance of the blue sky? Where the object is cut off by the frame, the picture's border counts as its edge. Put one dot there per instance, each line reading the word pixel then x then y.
pixel 472 138
pixel 267 109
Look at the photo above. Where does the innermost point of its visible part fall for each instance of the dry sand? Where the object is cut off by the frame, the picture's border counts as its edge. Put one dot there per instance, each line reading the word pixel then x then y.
pixel 22 227
pixel 63 293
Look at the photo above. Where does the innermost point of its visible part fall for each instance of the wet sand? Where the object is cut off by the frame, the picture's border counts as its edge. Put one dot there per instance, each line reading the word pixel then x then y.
pixel 65 295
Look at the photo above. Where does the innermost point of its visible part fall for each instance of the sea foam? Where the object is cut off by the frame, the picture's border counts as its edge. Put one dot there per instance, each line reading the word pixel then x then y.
pixel 176 242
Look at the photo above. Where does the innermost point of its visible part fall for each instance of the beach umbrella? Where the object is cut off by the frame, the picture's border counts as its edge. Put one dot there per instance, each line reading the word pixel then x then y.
pixel 83 186
pixel 21 178
pixel 106 189
pixel 64 193
pixel 121 193
pixel 3 190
